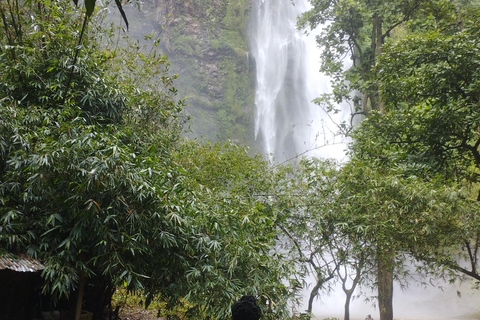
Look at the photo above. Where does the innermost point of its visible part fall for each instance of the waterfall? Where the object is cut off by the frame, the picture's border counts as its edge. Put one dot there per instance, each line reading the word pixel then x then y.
pixel 287 63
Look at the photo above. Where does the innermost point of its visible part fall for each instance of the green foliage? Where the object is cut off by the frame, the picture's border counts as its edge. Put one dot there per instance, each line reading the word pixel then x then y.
pixel 398 212
pixel 355 31
pixel 306 201
pixel 240 231
pixel 431 90
pixel 409 186
pixel 362 213
pixel 429 128
pixel 38 64
pixel 81 184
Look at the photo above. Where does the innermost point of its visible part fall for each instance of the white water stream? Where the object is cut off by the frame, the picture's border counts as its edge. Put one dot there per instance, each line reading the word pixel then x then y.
pixel 289 124
pixel 287 63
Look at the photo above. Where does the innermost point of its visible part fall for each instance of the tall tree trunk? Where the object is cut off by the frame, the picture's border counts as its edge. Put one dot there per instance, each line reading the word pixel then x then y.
pixel 385 285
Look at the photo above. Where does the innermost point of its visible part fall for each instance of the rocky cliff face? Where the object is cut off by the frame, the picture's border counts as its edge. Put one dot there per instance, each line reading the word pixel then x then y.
pixel 206 42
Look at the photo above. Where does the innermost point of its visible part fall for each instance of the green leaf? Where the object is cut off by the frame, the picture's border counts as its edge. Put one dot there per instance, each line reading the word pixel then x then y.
pixel 124 16
pixel 89 7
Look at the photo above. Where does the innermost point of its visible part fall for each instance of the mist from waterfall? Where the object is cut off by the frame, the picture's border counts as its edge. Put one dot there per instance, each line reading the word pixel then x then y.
pixel 287 122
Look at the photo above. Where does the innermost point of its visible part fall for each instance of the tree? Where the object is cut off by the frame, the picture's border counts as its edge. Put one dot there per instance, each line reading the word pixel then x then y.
pixel 367 220
pixel 360 29
pixel 356 31
pixel 395 215
pixel 307 198
pixel 308 235
pixel 73 191
pixel 436 85
pixel 430 128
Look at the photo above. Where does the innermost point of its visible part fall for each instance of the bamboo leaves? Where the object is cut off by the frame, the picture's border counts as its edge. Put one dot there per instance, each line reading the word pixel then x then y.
pixel 122 12
pixel 90 8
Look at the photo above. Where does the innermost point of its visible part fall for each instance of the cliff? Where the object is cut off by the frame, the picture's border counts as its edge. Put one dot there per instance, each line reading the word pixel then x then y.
pixel 206 42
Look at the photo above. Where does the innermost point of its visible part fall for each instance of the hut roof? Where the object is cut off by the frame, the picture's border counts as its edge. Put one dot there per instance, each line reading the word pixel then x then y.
pixel 20 263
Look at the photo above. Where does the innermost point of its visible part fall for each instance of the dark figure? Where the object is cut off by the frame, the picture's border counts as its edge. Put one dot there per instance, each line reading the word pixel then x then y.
pixel 369 317
pixel 246 309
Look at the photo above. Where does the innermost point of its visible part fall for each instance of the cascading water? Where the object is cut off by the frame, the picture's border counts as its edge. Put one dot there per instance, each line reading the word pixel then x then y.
pixel 287 63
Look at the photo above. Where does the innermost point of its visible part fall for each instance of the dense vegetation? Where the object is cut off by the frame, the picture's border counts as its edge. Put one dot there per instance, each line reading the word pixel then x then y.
pixel 97 182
